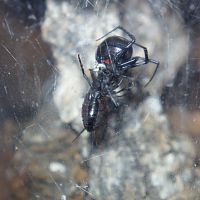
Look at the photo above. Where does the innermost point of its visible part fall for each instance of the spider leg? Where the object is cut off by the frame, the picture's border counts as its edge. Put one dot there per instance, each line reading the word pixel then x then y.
pixel 83 72
pixel 137 62
pixel 143 62
pixel 147 60
pixel 123 89
pixel 112 98
pixel 130 85
pixel 123 51
pixel 132 42
pixel 157 65
pixel 131 63
pixel 122 29
pixel 146 56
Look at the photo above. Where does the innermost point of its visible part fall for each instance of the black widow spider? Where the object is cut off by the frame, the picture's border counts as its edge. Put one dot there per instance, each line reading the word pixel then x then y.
pixel 114 58
pixel 115 53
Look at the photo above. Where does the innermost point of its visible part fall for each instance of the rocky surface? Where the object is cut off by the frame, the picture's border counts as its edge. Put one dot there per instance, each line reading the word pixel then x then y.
pixel 146 160
pixel 141 158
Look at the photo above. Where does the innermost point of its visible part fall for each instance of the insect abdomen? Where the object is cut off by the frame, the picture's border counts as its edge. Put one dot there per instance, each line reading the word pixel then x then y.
pixel 94 111
pixel 89 112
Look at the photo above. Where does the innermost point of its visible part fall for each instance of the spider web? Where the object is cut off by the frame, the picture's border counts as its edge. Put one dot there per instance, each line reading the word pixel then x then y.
pixel 42 91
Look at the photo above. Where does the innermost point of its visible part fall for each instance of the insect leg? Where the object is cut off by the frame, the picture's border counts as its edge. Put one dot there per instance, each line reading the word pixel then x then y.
pixel 83 72
pixel 78 136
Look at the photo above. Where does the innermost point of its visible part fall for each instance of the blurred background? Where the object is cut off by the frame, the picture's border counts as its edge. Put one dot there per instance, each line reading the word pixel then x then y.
pixel 147 149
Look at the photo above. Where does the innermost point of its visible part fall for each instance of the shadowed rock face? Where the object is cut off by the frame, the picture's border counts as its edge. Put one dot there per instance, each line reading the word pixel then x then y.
pixel 24 56
pixel 25 82
pixel 28 12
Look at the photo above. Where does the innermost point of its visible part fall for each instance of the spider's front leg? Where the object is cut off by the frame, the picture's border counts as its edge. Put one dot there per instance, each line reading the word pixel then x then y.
pixel 120 28
pixel 138 62
pixel 146 56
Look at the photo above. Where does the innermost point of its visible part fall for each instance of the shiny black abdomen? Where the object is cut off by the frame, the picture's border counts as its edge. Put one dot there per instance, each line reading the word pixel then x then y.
pixel 93 111
pixel 110 47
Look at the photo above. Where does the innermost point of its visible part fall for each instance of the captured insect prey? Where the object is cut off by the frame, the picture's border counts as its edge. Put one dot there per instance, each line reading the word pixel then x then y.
pixel 114 57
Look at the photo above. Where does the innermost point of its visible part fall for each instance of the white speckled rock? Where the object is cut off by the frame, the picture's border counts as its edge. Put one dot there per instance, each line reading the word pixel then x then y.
pixel 146 160
pixel 71 31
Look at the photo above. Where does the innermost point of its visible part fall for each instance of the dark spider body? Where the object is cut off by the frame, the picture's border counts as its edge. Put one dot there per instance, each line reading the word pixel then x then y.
pixel 116 53
pixel 110 47
pixel 114 57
